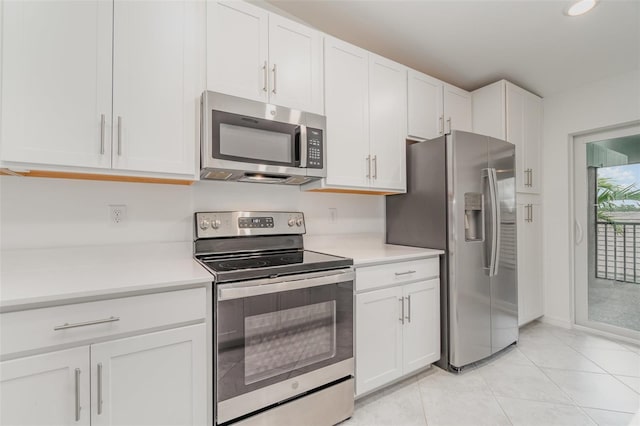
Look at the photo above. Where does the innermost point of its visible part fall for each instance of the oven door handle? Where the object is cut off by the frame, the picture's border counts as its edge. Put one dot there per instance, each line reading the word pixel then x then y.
pixel 275 285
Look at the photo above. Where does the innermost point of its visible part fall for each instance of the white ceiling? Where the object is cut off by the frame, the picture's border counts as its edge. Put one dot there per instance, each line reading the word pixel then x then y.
pixel 472 43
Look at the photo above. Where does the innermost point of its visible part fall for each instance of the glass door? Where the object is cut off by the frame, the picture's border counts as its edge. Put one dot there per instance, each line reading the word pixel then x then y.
pixel 607 230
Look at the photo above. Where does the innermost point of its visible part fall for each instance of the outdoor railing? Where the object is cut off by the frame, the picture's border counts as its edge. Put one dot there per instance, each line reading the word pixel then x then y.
pixel 618 251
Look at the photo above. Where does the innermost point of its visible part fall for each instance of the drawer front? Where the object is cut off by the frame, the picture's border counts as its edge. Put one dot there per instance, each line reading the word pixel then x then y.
pixel 60 325
pixel 371 277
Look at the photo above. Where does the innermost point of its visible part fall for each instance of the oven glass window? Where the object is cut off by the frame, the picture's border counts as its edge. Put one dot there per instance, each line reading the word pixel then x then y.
pixel 283 341
pixel 257 144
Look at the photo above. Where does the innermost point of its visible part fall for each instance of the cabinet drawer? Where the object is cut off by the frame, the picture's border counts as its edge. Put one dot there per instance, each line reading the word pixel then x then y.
pixel 370 277
pixel 59 325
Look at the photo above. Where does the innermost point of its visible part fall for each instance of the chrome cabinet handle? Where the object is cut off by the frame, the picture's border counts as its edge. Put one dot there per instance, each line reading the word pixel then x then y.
pixel 449 121
pixel 401 300
pixel 375 167
pixel 99 388
pixel 404 273
pixel 530 178
pixel 441 125
pixel 86 323
pixel 102 129
pixel 409 309
pixel 119 135
pixel 275 77
pixel 265 76
pixel 77 383
pixel 368 160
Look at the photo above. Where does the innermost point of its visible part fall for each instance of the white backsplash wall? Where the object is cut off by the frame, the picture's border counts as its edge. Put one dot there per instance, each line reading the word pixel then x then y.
pixel 39 212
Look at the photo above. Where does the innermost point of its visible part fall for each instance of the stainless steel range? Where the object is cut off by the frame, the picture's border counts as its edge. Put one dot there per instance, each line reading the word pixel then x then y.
pixel 283 321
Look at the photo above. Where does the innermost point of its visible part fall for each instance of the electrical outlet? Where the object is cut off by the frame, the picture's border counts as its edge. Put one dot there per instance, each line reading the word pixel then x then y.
pixel 333 214
pixel 117 213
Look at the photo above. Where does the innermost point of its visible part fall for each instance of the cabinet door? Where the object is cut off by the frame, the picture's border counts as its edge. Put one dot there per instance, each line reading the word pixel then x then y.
pixel 524 129
pixel 530 296
pixel 295 56
pixel 533 140
pixel 157 378
pixel 388 123
pixel 56 82
pixel 347 111
pixel 378 338
pixel 237 49
pixel 421 332
pixel 424 115
pixel 457 109
pixel 158 78
pixel 489 110
pixel 49 389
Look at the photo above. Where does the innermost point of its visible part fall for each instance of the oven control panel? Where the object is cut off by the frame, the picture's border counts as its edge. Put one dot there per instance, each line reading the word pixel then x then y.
pixel 241 223
pixel 255 222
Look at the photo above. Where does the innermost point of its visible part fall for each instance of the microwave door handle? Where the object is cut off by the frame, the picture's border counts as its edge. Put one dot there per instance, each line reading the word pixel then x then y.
pixel 303 146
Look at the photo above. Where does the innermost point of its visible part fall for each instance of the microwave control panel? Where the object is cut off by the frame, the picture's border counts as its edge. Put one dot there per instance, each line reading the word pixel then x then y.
pixel 314 149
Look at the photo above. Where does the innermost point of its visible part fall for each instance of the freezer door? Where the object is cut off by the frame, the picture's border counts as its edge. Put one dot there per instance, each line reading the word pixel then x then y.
pixel 504 279
pixel 469 282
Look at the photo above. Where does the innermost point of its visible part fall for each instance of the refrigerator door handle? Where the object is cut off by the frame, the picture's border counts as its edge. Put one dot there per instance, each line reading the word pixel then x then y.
pixel 496 221
pixel 491 261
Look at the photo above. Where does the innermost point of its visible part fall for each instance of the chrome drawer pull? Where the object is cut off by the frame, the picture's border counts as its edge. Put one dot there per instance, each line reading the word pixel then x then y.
pixel 404 273
pixel 83 324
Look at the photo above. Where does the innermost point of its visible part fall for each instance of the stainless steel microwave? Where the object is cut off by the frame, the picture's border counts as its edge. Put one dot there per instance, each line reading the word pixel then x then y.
pixel 249 141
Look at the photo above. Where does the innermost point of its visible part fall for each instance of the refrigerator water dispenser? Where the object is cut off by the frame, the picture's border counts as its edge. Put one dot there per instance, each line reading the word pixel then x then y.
pixel 473 229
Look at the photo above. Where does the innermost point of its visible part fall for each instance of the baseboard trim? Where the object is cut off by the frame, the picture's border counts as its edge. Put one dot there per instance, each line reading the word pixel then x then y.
pixel 558 322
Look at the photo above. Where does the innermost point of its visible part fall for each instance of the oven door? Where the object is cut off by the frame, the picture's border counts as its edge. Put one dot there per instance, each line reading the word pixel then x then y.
pixel 279 338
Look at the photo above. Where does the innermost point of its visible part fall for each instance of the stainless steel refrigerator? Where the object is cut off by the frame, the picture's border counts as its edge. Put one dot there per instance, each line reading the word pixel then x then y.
pixel 461 198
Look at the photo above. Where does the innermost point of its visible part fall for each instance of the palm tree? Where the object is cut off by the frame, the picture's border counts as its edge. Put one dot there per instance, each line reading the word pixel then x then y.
pixel 609 192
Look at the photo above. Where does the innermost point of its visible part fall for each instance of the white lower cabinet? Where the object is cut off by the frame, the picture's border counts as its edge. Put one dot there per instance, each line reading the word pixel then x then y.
pixel 49 389
pixel 530 294
pixel 151 378
pixel 397 328
pixel 157 378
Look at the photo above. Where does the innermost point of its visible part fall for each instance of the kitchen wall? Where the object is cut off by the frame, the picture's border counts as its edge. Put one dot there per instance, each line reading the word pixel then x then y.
pixel 596 105
pixel 38 212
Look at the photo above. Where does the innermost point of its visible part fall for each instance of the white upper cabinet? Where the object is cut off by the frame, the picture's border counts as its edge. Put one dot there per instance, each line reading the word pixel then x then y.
pixel 59 90
pixel 424 115
pixel 506 111
pixel 347 105
pixel 56 83
pixel 238 49
pixel 157 81
pixel 295 56
pixel 258 55
pixel 526 132
pixel 388 123
pixel 366 109
pixel 457 109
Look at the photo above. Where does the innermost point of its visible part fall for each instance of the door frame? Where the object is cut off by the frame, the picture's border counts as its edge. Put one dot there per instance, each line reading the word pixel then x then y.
pixel 576 140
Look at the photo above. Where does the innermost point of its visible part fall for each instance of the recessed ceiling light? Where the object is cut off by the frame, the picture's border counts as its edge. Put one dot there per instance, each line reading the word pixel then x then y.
pixel 581 7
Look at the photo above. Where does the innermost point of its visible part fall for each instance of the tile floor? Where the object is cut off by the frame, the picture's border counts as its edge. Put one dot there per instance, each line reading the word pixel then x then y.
pixel 553 377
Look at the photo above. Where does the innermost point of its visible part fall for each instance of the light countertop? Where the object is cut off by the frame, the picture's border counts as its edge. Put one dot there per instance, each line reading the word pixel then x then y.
pixel 366 249
pixel 37 277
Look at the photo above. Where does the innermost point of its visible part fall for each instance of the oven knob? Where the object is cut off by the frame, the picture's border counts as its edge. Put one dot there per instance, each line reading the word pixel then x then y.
pixel 204 224
pixel 291 222
pixel 299 222
pixel 215 224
